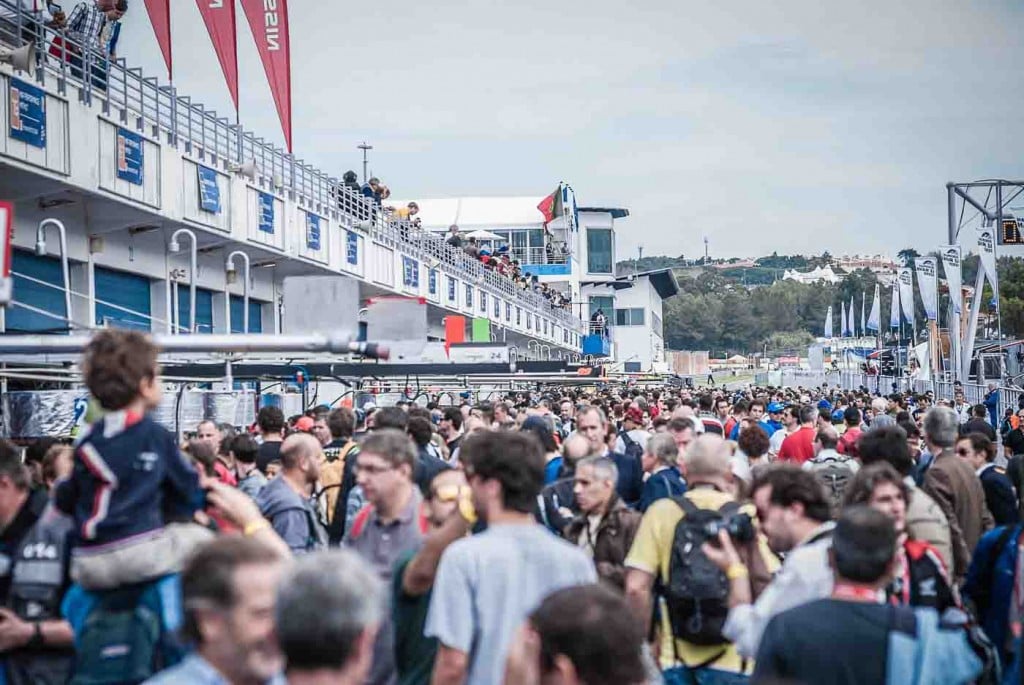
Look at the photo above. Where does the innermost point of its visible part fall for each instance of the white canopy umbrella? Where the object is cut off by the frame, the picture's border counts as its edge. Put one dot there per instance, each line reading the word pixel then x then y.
pixel 481 234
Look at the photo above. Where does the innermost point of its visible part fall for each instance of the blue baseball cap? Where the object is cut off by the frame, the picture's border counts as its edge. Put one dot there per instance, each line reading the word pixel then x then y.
pixel 824 404
pixel 776 408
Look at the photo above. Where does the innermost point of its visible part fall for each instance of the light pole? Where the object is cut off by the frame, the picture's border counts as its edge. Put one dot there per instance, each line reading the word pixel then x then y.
pixel 229 266
pixel 62 237
pixel 175 246
pixel 365 148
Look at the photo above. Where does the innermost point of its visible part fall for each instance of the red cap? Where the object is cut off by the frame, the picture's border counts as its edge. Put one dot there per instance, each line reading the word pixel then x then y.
pixel 304 424
pixel 635 415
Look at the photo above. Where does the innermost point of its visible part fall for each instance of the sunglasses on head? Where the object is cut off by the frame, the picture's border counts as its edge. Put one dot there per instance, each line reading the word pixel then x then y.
pixel 447 493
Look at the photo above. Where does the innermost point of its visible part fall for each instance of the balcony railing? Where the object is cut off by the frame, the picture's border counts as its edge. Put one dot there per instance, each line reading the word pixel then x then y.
pixel 122 91
pixel 539 255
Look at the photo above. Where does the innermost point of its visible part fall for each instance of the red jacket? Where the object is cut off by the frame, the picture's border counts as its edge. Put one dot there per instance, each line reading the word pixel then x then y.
pixel 798 447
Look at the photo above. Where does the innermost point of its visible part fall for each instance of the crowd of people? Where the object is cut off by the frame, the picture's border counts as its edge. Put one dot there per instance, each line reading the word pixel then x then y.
pixel 499 260
pixel 602 537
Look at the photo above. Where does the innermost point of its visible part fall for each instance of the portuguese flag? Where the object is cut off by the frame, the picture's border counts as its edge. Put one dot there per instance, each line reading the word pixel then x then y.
pixel 551 206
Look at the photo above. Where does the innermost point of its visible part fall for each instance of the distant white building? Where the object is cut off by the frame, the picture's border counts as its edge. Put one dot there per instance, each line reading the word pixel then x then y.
pixel 817 275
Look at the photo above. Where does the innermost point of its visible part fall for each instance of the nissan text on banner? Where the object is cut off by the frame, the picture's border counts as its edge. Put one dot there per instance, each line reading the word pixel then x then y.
pixel 268 20
pixel 987 249
pixel 928 285
pixel 906 281
pixel 954 276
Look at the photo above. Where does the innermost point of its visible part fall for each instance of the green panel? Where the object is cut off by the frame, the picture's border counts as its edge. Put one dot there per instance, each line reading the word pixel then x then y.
pixel 481 330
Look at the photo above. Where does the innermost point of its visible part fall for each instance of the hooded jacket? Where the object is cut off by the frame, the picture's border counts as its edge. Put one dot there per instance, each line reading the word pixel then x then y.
pixel 293 518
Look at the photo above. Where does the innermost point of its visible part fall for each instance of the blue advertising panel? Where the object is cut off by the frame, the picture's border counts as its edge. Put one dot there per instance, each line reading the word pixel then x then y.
pixel 469 295
pixel 27 114
pixel 451 289
pixel 351 248
pixel 312 231
pixel 432 281
pixel 209 191
pixel 410 272
pixel 129 156
pixel 483 302
pixel 265 208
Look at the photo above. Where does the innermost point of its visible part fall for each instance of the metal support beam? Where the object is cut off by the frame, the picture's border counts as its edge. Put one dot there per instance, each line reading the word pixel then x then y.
pixel 335 343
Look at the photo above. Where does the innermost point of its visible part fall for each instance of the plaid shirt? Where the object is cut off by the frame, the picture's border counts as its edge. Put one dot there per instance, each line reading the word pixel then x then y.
pixel 85 25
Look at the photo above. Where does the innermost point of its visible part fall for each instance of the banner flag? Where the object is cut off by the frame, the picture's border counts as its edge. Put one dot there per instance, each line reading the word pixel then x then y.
pixel 268 20
pixel 874 318
pixel 828 322
pixel 987 250
pixel 853 319
pixel 951 257
pixel 906 281
pixel 928 285
pixel 552 206
pixel 160 17
pixel 894 310
pixel 842 320
pixel 863 304
pixel 219 17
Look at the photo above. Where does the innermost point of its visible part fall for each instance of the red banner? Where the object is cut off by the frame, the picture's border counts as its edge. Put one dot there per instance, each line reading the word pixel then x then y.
pixel 219 16
pixel 160 17
pixel 268 20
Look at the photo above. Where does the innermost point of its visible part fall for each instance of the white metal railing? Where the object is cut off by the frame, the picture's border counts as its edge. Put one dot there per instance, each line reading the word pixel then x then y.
pixel 122 91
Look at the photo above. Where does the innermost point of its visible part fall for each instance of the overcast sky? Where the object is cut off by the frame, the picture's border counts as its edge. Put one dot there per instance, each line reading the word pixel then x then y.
pixel 791 126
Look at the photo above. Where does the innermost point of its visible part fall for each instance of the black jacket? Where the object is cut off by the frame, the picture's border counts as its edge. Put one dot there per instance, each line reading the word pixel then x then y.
pixel 999 496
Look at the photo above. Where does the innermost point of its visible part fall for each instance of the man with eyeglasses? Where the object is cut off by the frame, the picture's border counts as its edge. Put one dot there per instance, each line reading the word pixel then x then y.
pixel 391 524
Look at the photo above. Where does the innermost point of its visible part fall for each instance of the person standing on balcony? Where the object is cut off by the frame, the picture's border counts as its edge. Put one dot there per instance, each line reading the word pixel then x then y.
pixel 454 239
pixel 45 13
pixel 373 190
pixel 350 181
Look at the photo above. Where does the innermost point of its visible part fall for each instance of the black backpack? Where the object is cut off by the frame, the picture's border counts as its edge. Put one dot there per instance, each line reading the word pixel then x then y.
pixel 697 591
pixel 634 449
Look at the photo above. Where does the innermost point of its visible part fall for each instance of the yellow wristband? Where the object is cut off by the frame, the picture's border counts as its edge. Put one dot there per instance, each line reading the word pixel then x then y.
pixel 736 571
pixel 255 527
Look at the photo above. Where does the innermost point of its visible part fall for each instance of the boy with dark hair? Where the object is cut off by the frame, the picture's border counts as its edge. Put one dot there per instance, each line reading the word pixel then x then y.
pixel 130 479
pixel 244 451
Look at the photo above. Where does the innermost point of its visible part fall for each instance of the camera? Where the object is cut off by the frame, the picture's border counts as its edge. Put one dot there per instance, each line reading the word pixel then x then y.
pixel 740 528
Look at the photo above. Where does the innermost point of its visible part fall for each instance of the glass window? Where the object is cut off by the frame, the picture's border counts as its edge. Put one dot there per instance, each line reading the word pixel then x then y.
pixel 602 302
pixel 529 321
pixel 469 295
pixel 629 317
pixel 483 302
pixel 599 250
pixel 452 285
pixel 536 237
pixel 508 312
pixel 497 309
pixel 519 316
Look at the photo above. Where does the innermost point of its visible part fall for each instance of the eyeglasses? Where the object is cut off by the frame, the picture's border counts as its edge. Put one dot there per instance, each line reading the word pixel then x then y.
pixel 372 469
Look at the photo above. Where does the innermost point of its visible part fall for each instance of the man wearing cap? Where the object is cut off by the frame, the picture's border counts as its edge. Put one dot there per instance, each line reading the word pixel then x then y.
pixel 632 431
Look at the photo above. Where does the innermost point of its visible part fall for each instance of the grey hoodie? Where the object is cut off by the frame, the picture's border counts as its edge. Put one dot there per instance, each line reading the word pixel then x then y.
pixel 294 518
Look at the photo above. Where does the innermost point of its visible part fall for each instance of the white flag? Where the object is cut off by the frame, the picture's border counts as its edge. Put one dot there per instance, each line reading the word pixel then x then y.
pixel 987 250
pixel 954 276
pixel 874 318
pixel 853 320
pixel 906 280
pixel 842 320
pixel 863 301
pixel 828 322
pixel 894 311
pixel 928 285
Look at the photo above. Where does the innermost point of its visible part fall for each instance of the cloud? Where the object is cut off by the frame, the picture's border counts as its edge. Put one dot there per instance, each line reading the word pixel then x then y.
pixel 794 125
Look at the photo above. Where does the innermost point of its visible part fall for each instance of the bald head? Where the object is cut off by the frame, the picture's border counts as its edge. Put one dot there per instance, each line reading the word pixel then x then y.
pixel 707 459
pixel 296 448
pixel 575 448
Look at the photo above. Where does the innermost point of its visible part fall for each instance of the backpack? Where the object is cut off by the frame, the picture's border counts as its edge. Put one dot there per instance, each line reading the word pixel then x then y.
pixel 123 639
pixel 835 475
pixel 697 591
pixel 633 449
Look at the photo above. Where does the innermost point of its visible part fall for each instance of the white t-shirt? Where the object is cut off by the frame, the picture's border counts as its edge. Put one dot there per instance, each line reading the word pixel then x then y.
pixel 775 442
pixel 636 435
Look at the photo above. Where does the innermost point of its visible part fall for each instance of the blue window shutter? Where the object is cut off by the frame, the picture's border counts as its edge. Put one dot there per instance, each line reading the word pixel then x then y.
pixel 44 297
pixel 204 309
pixel 126 290
pixel 255 315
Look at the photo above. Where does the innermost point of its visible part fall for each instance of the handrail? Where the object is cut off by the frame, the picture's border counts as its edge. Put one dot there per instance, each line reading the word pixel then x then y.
pixel 123 91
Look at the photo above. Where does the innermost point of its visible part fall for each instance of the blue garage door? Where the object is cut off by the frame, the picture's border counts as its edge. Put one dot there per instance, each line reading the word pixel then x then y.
pixel 255 315
pixel 204 309
pixel 125 300
pixel 27 270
